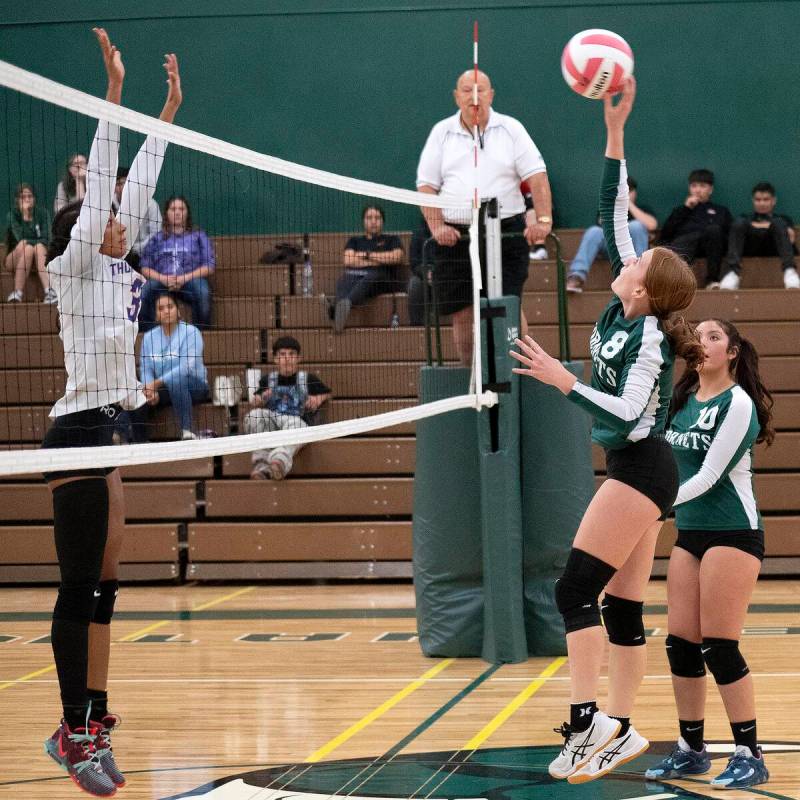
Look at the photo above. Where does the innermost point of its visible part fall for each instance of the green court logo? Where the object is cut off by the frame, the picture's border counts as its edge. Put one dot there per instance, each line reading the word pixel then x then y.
pixel 513 773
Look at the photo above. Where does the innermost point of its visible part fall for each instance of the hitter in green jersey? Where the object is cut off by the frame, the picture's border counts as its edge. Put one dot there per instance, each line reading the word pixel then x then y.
pixel 633 348
pixel 719 412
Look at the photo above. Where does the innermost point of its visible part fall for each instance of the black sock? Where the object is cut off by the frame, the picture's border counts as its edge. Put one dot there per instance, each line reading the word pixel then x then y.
pixel 75 715
pixel 744 733
pixel 580 715
pixel 692 732
pixel 626 725
pixel 99 701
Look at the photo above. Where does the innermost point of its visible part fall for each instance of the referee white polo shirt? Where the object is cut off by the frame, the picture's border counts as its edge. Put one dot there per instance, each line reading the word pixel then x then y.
pixel 508 156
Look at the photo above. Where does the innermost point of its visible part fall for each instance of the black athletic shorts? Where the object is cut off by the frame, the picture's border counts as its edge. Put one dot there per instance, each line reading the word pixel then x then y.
pixel 698 543
pixel 453 273
pixel 649 467
pixel 91 428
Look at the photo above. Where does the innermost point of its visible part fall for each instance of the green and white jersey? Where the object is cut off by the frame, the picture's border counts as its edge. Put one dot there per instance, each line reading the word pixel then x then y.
pixel 632 359
pixel 712 442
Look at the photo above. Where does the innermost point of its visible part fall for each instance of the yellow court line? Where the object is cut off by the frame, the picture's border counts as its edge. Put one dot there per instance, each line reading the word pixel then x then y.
pixel 479 738
pixel 135 634
pixel 328 748
pixel 28 677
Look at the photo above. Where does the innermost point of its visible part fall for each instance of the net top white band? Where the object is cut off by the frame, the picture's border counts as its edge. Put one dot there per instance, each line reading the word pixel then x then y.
pixel 44 89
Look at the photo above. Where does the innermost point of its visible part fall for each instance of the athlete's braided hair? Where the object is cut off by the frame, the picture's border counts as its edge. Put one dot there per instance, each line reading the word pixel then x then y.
pixel 744 370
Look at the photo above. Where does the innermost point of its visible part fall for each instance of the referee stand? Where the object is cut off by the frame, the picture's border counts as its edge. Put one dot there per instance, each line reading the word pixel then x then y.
pixel 498 496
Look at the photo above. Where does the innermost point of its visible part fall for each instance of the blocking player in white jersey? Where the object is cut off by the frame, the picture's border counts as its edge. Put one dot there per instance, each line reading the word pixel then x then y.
pixel 719 412
pixel 98 303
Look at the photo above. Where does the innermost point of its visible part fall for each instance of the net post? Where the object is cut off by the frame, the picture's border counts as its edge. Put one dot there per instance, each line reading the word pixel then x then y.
pixel 501 510
pixel 494 253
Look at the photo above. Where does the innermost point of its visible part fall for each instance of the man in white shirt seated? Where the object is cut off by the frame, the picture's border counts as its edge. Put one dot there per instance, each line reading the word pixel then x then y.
pixel 506 156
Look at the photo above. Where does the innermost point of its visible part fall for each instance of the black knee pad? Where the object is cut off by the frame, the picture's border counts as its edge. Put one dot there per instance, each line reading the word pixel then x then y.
pixel 579 587
pixel 76 602
pixel 724 660
pixel 623 620
pixel 105 603
pixel 685 657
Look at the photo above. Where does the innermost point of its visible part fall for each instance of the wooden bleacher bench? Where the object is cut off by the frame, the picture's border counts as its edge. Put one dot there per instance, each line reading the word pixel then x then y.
pixel 145 500
pixel 299 550
pixel 375 456
pixel 321 497
pixel 149 552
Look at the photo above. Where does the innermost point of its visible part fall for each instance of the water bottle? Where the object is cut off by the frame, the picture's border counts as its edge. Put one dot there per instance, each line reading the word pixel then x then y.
pixel 394 324
pixel 307 278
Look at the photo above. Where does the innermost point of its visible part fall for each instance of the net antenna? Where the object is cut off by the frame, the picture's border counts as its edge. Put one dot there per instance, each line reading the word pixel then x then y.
pixel 474 238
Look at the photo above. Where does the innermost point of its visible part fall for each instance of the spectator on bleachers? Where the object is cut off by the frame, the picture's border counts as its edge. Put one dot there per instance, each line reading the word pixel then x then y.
pixel 150 223
pixel 27 228
pixel 762 233
pixel 72 186
pixel 370 263
pixel 172 370
pixel 641 223
pixel 287 398
pixel 699 227
pixel 178 259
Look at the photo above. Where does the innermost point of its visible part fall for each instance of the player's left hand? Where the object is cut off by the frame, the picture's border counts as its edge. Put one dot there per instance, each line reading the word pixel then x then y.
pixel 174 93
pixel 538 364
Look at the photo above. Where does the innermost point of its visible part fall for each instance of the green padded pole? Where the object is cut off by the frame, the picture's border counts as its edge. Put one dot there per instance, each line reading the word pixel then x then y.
pixel 557 485
pixel 447 522
pixel 498 433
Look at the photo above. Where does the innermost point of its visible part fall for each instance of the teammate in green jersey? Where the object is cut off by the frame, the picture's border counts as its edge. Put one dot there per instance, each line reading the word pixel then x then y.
pixel 718 413
pixel 633 349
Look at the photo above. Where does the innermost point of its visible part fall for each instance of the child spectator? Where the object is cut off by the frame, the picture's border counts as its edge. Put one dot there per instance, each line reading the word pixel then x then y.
pixel 641 223
pixel 72 187
pixel 762 233
pixel 369 266
pixel 178 259
pixel 27 226
pixel 699 227
pixel 172 370
pixel 287 398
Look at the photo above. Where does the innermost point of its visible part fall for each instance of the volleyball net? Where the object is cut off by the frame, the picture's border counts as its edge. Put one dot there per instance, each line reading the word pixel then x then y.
pixel 277 304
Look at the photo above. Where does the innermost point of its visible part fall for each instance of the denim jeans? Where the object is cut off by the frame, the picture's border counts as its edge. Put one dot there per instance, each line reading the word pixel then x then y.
pixel 181 393
pixel 196 293
pixel 593 244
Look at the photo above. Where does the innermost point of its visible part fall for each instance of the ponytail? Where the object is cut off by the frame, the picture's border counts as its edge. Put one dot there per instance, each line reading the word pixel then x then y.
pixel 684 341
pixel 746 374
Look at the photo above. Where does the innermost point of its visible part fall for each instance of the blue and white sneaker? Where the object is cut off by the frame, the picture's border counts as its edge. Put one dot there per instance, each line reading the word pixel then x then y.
pixel 743 770
pixel 681 761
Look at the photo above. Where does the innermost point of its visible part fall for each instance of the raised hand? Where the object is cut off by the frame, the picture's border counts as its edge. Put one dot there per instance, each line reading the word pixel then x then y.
pixel 538 364
pixel 174 93
pixel 617 115
pixel 112 57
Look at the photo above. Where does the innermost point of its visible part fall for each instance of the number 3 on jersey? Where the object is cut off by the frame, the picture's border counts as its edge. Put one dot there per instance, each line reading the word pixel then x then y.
pixel 132 308
pixel 614 344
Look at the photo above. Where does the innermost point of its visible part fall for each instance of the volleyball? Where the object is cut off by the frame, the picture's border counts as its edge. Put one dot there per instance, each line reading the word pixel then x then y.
pixel 596 62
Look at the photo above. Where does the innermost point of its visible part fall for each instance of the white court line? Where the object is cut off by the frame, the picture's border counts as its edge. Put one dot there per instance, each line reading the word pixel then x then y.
pixel 526 680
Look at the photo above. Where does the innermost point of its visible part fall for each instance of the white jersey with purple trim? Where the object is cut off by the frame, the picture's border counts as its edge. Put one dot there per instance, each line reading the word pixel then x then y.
pixel 99 296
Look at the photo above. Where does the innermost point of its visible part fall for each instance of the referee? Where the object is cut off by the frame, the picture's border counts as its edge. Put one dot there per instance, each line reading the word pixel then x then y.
pixel 507 155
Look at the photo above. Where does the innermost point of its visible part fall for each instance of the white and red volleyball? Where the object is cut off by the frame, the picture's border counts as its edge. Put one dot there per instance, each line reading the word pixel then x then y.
pixel 596 62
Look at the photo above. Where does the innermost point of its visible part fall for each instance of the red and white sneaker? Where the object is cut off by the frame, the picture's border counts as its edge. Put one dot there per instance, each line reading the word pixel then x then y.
pixel 74 751
pixel 105 753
